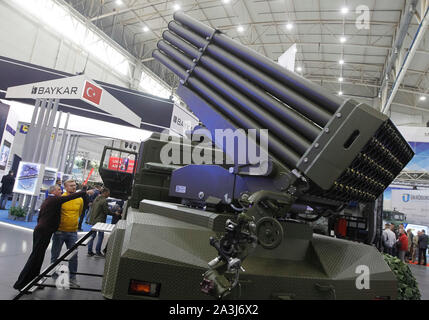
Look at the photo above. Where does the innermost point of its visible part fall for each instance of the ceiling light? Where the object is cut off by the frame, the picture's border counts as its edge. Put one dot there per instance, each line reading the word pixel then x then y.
pixel 340 93
pixel 340 79
pixel 145 29
pixel 119 2
pixel 225 1
pixel 176 7
pixel 341 61
pixel 343 39
pixel 422 98
pixel 289 26
pixel 344 10
pixel 240 29
pixel 299 69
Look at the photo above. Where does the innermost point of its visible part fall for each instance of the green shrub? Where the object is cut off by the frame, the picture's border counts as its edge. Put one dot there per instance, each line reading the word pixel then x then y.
pixel 407 284
pixel 17 212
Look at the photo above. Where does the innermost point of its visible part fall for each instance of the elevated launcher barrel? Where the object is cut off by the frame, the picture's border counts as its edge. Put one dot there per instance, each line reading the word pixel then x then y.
pixel 348 151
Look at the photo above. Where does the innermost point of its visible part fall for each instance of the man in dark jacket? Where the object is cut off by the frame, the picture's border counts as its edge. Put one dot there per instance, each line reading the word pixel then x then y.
pixel 84 210
pixel 47 223
pixel 7 183
pixel 423 245
pixel 99 212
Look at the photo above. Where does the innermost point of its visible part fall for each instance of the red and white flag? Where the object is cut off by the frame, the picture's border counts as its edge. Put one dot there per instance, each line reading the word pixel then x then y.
pixel 92 93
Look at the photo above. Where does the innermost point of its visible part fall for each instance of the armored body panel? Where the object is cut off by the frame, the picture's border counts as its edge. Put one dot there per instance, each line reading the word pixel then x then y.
pixel 171 253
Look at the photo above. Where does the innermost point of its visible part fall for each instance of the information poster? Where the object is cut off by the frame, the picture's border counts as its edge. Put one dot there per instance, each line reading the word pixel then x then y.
pixel 401 195
pixel 121 164
pixel 29 178
pixel 49 178
pixel 414 203
pixel 4 154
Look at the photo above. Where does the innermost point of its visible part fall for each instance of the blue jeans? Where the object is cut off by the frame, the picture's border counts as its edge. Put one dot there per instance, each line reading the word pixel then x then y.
pixel 58 239
pixel 99 242
pixel 3 200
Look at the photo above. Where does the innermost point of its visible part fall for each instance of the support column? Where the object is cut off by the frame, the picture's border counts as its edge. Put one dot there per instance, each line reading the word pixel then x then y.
pixel 41 155
pixel 35 134
pixel 64 155
pixel 69 153
pixel 48 133
pixel 42 133
pixel 54 143
pixel 71 164
pixel 63 145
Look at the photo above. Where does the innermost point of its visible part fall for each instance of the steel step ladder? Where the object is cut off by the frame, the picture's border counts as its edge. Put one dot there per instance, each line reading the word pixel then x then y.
pixel 38 282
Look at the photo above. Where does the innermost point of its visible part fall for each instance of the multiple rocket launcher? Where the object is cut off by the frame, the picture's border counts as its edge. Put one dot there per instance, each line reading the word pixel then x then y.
pixel 347 150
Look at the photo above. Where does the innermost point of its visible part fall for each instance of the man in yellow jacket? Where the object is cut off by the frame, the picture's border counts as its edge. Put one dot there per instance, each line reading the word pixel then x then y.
pixel 67 231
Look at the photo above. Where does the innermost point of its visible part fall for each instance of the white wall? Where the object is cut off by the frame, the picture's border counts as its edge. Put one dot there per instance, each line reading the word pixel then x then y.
pixel 404 119
pixel 23 39
pixel 417 134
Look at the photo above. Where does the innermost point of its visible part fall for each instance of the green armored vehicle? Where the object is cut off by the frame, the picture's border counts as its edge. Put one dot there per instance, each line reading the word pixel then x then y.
pixel 239 229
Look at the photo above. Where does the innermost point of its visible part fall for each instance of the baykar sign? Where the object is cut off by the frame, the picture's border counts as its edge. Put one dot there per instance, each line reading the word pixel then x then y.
pixel 54 90
pixel 80 88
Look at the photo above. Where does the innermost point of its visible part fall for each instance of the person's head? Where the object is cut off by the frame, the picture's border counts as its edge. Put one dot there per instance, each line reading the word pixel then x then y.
pixel 70 186
pixel 11 173
pixel 387 226
pixel 58 182
pixel 105 192
pixel 423 232
pixel 55 190
pixel 392 227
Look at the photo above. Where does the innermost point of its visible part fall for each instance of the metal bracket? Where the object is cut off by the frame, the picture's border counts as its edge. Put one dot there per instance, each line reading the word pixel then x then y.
pixel 197 60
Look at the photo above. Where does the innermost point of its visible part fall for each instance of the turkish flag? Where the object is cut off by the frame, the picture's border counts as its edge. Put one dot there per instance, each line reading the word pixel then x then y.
pixel 92 93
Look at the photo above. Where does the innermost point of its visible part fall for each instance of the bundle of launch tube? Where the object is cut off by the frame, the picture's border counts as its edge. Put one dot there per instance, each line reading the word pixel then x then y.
pixel 254 92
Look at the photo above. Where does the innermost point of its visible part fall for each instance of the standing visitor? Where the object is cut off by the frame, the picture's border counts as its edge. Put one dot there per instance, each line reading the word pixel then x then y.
pixel 67 230
pixel 7 183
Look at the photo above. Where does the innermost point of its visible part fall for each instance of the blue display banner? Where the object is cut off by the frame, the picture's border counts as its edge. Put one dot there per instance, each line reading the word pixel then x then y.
pixel 10 130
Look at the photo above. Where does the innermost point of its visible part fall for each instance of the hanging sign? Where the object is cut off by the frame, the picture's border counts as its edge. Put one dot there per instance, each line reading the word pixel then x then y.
pixel 78 88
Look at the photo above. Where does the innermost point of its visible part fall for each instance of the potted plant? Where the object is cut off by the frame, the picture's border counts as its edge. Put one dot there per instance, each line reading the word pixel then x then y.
pixel 407 284
pixel 17 213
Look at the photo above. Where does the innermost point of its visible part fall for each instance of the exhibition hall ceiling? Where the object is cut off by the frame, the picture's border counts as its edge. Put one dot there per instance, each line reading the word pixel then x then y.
pixel 358 33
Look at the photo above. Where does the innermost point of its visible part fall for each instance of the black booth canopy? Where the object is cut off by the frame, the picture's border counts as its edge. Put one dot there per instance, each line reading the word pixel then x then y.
pixel 155 112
